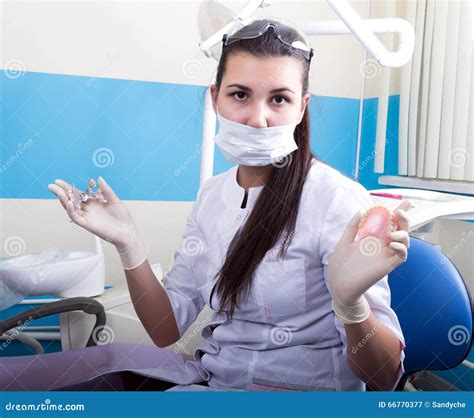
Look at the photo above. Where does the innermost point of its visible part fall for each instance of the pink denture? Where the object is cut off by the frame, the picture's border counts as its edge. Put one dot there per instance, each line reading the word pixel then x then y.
pixel 378 221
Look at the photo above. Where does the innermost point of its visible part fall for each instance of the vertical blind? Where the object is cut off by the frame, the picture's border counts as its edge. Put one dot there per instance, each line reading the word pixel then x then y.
pixel 436 93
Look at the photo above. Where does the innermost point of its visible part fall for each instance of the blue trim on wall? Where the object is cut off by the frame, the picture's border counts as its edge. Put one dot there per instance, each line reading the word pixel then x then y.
pixel 334 125
pixel 143 137
pixel 136 134
pixel 369 130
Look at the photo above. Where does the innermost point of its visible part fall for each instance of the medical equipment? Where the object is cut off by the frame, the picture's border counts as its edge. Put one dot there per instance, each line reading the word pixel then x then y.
pixel 80 197
pixel 52 272
pixel 363 30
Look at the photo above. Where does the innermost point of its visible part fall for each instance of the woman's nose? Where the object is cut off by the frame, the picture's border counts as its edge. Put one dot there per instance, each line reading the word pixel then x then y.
pixel 257 117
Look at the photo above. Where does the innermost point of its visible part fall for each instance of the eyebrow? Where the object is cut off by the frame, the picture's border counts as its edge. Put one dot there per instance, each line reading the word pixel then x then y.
pixel 245 88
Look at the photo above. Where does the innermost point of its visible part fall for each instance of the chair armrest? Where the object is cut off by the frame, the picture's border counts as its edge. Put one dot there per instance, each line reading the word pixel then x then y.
pixel 88 305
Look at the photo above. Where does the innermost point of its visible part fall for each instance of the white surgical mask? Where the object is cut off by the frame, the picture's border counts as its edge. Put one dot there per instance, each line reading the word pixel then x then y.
pixel 246 145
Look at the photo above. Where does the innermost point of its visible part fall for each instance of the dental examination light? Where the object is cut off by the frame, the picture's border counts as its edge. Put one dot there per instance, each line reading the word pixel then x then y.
pixel 352 24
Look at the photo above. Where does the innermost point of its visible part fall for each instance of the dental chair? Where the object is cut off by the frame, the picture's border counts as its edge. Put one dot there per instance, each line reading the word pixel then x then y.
pixel 428 294
pixel 434 308
pixel 119 359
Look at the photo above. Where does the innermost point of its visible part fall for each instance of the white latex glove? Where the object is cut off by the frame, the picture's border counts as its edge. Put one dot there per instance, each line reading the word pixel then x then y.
pixel 110 221
pixel 353 267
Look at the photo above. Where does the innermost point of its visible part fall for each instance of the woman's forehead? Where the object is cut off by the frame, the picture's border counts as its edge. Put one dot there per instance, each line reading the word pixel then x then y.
pixel 263 73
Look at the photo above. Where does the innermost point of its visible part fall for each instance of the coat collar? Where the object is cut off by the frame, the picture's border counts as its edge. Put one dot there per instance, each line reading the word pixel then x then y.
pixel 233 193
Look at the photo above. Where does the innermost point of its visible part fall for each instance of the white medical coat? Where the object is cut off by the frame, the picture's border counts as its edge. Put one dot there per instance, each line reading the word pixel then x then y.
pixel 285 335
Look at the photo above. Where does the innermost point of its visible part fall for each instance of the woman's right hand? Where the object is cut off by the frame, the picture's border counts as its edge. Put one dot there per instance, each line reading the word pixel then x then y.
pixel 110 221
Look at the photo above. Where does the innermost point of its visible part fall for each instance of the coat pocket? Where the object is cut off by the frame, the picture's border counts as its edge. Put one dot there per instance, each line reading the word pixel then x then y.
pixel 281 286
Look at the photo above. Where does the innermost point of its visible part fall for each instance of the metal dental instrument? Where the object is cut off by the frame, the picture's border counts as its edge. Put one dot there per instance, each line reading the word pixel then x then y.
pixel 80 196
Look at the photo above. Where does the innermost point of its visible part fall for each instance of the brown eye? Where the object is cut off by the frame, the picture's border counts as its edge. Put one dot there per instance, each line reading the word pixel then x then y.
pixel 280 100
pixel 239 95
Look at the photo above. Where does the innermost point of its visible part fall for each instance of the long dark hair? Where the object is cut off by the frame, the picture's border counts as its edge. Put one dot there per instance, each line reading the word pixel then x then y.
pixel 276 209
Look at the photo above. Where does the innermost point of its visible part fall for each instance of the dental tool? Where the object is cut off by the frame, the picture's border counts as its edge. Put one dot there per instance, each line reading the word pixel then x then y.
pixel 80 197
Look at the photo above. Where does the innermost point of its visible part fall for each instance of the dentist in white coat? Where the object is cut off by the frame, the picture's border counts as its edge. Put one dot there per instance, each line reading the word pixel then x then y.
pixel 269 244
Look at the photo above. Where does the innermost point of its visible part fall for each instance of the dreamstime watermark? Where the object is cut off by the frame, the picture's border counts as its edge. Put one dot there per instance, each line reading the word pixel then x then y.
pixel 192 68
pixel 103 335
pixel 464 240
pixel 458 158
pixel 362 343
pixel 103 157
pixel 41 273
pixel 18 153
pixel 109 56
pixel 180 346
pixel 14 246
pixel 458 335
pixel 367 160
pixel 284 162
pixel 14 68
pixel 197 152
pixel 13 335
pixel 370 246
pixel 277 250
pixel 192 246
pixel 370 68
pixel 281 335
pixel 47 405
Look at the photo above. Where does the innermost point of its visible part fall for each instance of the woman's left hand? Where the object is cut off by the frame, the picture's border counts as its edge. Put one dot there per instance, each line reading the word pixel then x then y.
pixel 354 266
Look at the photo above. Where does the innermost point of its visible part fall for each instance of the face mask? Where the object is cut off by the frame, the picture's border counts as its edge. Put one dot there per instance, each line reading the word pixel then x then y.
pixel 242 144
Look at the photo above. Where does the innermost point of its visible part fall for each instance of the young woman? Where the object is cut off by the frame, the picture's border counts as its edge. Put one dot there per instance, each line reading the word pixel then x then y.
pixel 298 303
